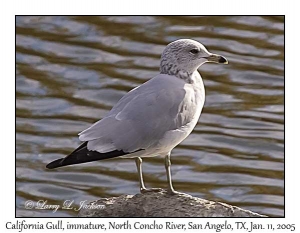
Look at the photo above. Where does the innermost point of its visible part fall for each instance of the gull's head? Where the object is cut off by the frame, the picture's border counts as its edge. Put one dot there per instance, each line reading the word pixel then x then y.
pixel 186 56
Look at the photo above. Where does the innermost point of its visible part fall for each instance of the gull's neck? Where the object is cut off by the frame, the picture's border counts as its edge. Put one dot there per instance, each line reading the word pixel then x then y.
pixel 172 69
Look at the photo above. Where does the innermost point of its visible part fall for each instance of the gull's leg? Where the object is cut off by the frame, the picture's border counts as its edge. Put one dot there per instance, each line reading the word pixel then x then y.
pixel 168 171
pixel 138 162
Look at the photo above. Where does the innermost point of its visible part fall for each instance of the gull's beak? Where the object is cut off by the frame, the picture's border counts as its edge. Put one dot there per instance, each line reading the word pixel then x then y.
pixel 217 59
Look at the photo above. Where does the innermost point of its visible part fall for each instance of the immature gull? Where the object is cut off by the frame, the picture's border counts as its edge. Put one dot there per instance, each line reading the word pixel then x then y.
pixel 153 118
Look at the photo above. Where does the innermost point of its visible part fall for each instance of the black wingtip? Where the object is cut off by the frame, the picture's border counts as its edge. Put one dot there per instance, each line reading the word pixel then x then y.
pixel 83 155
pixel 54 164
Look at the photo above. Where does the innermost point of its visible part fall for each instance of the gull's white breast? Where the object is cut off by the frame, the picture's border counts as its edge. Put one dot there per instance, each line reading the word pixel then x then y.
pixel 188 116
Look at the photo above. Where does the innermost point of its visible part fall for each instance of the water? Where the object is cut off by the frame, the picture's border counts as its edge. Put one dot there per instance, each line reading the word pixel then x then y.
pixel 72 70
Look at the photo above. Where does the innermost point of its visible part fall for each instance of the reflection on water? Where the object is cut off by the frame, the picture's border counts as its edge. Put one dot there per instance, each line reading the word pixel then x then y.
pixel 72 70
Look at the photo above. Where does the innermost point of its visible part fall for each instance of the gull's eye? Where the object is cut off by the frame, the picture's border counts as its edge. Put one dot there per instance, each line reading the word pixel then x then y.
pixel 194 51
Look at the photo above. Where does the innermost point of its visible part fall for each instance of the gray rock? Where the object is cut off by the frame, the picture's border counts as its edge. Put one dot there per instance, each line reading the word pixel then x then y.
pixel 161 204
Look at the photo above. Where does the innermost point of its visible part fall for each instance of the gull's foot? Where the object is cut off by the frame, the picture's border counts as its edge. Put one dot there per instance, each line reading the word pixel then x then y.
pixel 173 192
pixel 144 190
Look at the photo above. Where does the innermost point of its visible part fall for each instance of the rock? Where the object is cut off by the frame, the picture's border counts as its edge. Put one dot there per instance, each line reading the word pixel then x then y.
pixel 161 204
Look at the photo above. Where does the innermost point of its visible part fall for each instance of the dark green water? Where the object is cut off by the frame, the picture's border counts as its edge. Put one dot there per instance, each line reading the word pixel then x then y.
pixel 72 70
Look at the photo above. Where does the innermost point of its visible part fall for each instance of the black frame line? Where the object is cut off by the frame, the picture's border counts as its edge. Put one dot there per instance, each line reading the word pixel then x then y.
pixel 56 217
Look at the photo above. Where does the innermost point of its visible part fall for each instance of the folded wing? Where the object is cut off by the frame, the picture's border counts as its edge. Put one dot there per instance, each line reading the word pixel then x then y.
pixel 140 119
pixel 137 122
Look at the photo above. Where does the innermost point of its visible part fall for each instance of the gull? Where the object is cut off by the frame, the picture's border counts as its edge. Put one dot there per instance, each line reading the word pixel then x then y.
pixel 153 118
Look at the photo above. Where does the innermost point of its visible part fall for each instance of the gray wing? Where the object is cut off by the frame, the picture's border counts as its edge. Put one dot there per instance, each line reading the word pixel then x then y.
pixel 141 118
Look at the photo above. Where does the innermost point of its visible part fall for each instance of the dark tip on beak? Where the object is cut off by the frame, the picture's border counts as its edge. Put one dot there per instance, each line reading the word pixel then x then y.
pixel 223 60
pixel 217 59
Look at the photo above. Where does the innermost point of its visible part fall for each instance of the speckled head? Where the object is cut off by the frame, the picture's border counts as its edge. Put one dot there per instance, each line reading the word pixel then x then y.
pixel 186 56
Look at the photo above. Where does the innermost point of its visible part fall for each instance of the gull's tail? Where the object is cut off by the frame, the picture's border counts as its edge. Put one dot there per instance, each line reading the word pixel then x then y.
pixel 83 155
